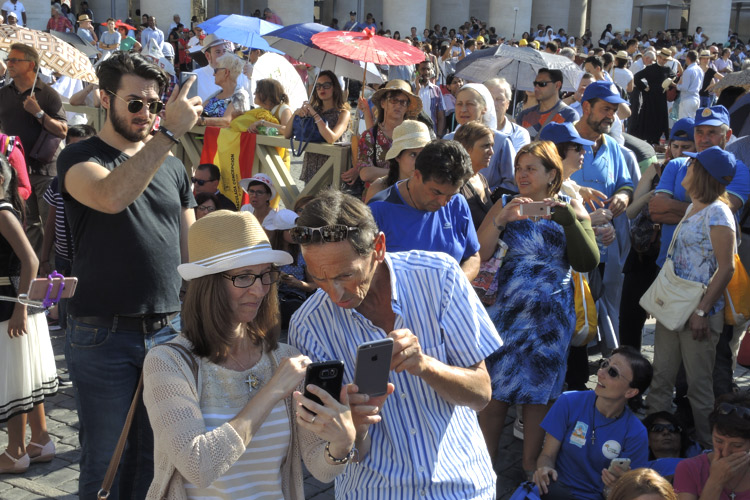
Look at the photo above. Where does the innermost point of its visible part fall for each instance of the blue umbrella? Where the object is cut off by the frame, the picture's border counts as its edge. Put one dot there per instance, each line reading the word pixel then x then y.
pixel 245 38
pixel 209 25
pixel 242 30
pixel 295 40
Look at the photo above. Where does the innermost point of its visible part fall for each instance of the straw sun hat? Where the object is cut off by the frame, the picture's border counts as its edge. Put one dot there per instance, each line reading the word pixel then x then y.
pixel 415 103
pixel 225 240
pixel 411 134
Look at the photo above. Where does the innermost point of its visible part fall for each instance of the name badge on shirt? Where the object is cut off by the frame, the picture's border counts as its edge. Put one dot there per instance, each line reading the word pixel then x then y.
pixel 578 437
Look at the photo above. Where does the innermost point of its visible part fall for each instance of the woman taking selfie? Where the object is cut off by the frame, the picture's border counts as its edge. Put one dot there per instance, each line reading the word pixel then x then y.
pixel 237 423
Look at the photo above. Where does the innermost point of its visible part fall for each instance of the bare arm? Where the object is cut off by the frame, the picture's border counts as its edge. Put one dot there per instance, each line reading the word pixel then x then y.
pixel 332 134
pixel 623 111
pixel 642 193
pixel 666 210
pixel 219 121
pixel 545 464
pixel 13 232
pixel 470 266
pixel 79 98
pixel 111 192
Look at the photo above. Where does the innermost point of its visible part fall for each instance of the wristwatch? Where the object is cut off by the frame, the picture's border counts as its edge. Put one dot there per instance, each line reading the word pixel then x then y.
pixel 39 115
pixel 700 313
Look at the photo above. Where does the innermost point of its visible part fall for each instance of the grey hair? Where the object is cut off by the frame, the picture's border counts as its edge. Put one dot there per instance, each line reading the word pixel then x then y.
pixel 331 206
pixel 231 62
pixel 569 53
pixel 502 84
pixel 57 8
pixel 650 54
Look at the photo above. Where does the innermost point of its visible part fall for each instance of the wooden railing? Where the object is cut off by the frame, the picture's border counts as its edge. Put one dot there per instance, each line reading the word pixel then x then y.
pixel 267 159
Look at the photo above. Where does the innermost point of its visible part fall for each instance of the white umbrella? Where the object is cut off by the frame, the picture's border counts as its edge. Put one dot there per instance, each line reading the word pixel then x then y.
pixel 274 66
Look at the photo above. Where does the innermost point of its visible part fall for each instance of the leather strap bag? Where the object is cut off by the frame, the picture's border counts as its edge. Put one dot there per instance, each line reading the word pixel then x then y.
pixel 114 462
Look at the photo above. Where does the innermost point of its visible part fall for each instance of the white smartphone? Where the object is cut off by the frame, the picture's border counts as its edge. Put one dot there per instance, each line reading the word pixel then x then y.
pixel 373 366
pixel 535 209
pixel 39 286
pixel 621 463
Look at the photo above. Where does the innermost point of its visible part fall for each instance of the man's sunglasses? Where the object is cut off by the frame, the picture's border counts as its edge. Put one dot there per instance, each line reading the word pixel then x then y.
pixel 728 408
pixel 326 234
pixel 611 370
pixel 664 427
pixel 135 105
pixel 200 182
pixel 541 84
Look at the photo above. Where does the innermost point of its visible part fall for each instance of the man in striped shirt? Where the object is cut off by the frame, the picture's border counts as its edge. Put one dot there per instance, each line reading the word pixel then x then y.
pixel 422 438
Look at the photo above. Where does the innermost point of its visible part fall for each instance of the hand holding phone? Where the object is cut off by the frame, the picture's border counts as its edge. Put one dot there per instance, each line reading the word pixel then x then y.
pixel 328 375
pixel 193 90
pixel 621 463
pixel 373 366
pixel 535 209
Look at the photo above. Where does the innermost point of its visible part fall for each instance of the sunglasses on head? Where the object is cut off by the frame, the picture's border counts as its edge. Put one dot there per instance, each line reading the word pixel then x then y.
pixel 324 86
pixel 604 364
pixel 728 408
pixel 201 182
pixel 326 234
pixel 135 105
pixel 541 84
pixel 664 427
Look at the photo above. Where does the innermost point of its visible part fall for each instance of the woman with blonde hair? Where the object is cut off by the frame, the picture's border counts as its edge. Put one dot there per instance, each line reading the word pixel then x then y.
pixel 230 103
pixel 224 397
pixel 642 484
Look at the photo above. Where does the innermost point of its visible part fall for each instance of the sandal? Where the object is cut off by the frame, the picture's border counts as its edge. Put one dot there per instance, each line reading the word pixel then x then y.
pixel 47 453
pixel 20 465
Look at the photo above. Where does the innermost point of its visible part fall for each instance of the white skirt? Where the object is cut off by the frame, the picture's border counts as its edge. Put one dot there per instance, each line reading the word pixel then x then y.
pixel 27 364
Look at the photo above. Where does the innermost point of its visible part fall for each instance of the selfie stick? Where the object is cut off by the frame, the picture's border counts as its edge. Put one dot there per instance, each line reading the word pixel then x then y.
pixel 47 302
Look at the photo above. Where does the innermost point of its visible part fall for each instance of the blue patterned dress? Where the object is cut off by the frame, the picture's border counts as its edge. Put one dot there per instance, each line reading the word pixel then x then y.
pixel 534 314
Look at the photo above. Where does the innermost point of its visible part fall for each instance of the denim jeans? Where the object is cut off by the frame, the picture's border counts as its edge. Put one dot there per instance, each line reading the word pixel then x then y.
pixel 105 366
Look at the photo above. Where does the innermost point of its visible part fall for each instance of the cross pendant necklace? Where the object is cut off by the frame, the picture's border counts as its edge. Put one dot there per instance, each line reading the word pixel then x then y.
pixel 732 495
pixel 253 381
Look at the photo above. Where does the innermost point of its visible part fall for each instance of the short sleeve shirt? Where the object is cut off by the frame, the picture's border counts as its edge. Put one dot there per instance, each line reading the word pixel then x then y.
pixel 533 119
pixel 589 442
pixel 126 263
pixel 449 229
pixel 691 477
pixel 607 171
pixel 14 7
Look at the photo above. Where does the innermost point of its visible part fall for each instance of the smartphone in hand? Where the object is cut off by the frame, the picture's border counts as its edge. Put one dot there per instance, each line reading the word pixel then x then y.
pixel 328 375
pixel 373 366
pixel 535 209
pixel 184 77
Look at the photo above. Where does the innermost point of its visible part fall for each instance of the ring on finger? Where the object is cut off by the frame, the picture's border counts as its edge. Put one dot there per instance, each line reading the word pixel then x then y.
pixel 313 419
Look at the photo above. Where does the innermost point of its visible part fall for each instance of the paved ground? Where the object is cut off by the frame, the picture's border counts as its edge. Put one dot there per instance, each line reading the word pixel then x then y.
pixel 58 479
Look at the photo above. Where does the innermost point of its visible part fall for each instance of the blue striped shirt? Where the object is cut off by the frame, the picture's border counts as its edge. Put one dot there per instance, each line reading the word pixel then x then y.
pixel 424 447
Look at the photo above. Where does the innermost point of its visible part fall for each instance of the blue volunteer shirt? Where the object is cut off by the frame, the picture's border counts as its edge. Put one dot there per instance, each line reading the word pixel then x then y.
pixel 670 183
pixel 448 230
pixel 424 446
pixel 572 420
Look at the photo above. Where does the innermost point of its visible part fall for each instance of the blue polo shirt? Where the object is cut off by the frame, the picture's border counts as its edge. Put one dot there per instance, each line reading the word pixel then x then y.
pixel 670 182
pixel 448 230
pixel 606 172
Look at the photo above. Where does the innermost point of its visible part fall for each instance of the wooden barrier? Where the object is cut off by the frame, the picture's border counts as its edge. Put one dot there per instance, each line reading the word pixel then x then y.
pixel 266 159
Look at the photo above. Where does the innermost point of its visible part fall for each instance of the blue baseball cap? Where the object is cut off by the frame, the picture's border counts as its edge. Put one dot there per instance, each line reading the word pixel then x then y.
pixel 603 90
pixel 719 163
pixel 684 125
pixel 714 116
pixel 562 132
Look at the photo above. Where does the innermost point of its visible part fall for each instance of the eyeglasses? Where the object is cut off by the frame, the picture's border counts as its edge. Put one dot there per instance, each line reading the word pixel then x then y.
pixel 665 427
pixel 611 370
pixel 206 208
pixel 216 70
pixel 14 60
pixel 396 101
pixel 201 182
pixel 728 408
pixel 135 105
pixel 257 192
pixel 327 234
pixel 248 279
pixel 324 86
pixel 541 84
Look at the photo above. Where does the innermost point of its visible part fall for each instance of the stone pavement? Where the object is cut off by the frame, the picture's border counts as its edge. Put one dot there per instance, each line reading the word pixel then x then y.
pixel 59 478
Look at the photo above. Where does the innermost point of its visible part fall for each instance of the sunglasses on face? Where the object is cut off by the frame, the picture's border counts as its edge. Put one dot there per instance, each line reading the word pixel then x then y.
pixel 728 408
pixel 248 279
pixel 324 86
pixel 575 147
pixel 664 427
pixel 216 70
pixel 541 84
pixel 135 105
pixel 327 234
pixel 201 182
pixel 604 364
pixel 396 101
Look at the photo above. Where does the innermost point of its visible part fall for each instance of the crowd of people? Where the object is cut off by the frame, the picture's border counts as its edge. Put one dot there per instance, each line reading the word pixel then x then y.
pixel 465 231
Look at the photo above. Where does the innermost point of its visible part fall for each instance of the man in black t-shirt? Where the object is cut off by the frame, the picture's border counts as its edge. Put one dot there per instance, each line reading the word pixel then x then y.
pixel 129 206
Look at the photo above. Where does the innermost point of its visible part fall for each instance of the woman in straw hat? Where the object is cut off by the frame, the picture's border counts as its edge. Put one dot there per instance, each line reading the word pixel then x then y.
pixel 409 139
pixel 227 413
pixel 621 75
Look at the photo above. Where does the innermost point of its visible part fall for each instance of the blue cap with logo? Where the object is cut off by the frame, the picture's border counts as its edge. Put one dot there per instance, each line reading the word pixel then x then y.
pixel 720 164
pixel 562 132
pixel 714 116
pixel 682 130
pixel 604 90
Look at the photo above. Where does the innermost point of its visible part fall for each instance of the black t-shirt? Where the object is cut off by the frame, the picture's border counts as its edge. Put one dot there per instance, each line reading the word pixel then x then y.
pixel 126 263
pixel 15 120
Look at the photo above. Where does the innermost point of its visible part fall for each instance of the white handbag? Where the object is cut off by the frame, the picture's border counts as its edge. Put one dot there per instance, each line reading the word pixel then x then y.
pixel 671 299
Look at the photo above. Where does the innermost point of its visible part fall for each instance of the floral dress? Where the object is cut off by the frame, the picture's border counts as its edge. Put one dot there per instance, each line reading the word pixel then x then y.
pixel 215 107
pixel 312 162
pixel 534 314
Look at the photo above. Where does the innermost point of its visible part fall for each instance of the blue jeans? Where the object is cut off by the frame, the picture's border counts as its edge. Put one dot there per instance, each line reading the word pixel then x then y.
pixel 105 366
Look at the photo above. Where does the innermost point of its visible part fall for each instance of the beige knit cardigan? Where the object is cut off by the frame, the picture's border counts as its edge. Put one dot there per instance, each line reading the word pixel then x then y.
pixel 184 450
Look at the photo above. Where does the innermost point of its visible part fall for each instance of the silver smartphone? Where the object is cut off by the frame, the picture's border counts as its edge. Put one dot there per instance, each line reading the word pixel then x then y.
pixel 535 209
pixel 373 366
pixel 40 286
pixel 184 77
pixel 621 463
